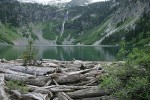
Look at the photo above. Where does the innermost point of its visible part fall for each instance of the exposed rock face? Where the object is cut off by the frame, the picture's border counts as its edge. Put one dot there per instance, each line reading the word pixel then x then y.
pixel 90 24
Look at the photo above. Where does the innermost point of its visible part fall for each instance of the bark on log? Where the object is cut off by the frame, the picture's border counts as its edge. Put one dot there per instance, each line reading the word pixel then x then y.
pixel 59 88
pixel 33 70
pixel 3 95
pixel 34 88
pixel 94 73
pixel 90 82
pixel 64 79
pixel 79 72
pixel 8 71
pixel 42 80
pixel 68 87
pixel 31 96
pixel 38 81
pixel 87 93
pixel 62 95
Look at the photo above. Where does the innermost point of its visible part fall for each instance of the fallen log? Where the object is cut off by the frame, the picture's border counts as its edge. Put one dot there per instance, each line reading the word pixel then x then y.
pixel 62 95
pixel 59 88
pixel 68 87
pixel 33 70
pixel 64 78
pixel 70 79
pixel 31 96
pixel 79 72
pixel 34 88
pixel 94 73
pixel 3 95
pixel 38 81
pixel 56 98
pixel 42 80
pixel 87 93
pixel 8 71
pixel 90 82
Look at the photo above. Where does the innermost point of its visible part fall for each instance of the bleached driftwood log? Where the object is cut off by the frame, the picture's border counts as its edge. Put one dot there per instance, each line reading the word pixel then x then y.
pixel 33 70
pixel 70 79
pixel 8 71
pixel 3 95
pixel 31 96
pixel 59 88
pixel 87 93
pixel 37 81
pixel 34 88
pixel 62 95
pixel 42 80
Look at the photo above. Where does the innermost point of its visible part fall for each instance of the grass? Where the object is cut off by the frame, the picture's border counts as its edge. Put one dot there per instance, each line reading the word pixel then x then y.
pixel 49 32
pixel 17 85
pixel 92 35
pixel 8 33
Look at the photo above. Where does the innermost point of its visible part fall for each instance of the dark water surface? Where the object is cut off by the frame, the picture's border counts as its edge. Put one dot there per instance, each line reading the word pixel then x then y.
pixel 64 53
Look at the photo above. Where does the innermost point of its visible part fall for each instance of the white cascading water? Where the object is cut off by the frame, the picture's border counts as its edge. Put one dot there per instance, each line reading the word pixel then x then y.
pixel 63 25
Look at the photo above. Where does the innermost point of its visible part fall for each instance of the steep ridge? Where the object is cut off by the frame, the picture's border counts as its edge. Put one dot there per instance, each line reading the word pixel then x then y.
pixel 98 23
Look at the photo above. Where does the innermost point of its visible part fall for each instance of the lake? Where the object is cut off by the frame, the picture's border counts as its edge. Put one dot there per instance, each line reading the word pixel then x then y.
pixel 64 53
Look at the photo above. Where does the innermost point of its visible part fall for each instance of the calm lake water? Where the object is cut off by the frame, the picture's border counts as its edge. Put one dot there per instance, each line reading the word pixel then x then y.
pixel 64 53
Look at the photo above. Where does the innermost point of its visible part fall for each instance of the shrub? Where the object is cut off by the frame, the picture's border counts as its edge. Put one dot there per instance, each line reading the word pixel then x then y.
pixel 29 54
pixel 17 85
pixel 130 81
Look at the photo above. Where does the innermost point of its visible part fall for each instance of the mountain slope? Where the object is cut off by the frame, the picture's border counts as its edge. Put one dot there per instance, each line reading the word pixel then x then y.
pixel 99 23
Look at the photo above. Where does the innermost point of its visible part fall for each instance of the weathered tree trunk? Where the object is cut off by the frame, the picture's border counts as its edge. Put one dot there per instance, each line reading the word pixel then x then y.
pixel 38 81
pixel 3 95
pixel 87 93
pixel 79 72
pixel 59 88
pixel 8 71
pixel 64 79
pixel 62 95
pixel 31 96
pixel 33 70
pixel 34 88
pixel 68 87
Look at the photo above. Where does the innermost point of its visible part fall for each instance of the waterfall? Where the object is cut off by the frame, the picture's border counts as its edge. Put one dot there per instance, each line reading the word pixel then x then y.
pixel 63 24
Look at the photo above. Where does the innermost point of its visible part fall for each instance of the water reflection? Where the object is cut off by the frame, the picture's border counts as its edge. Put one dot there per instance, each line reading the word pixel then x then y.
pixel 91 53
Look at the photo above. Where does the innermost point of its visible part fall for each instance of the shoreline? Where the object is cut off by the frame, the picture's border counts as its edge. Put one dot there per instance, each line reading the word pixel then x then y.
pixel 77 80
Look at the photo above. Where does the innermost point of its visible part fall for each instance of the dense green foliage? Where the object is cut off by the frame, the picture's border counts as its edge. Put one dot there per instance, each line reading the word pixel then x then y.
pixel 141 34
pixel 17 85
pixel 8 33
pixel 49 32
pixel 130 80
pixel 17 14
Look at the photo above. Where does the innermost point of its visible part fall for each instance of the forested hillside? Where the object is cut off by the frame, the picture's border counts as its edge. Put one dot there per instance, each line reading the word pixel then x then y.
pixel 98 23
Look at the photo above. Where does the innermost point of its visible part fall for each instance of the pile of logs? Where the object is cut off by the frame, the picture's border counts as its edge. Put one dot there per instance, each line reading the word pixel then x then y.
pixel 54 80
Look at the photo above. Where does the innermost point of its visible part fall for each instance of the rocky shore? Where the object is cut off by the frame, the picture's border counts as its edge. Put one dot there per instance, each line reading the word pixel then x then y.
pixel 53 80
